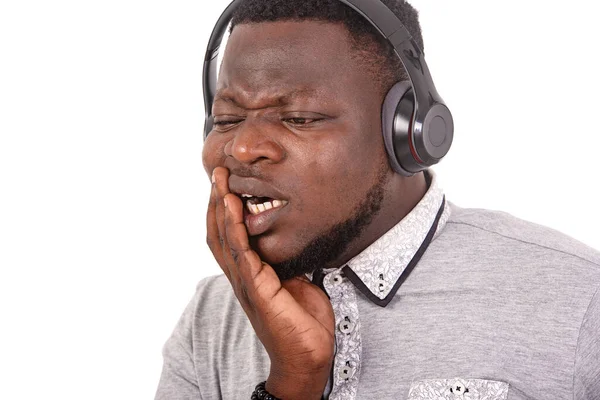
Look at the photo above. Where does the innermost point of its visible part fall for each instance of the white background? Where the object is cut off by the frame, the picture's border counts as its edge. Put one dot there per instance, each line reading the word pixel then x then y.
pixel 103 194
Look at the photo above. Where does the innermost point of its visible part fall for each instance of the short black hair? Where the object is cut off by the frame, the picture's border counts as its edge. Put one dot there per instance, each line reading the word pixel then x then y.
pixel 372 50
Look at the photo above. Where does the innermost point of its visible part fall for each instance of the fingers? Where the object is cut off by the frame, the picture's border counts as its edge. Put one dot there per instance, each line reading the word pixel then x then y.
pixel 213 238
pixel 221 185
pixel 215 224
pixel 248 262
pixel 228 240
pixel 258 279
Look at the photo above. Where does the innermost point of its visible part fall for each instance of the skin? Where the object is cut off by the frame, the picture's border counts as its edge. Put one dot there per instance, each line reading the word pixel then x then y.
pixel 295 112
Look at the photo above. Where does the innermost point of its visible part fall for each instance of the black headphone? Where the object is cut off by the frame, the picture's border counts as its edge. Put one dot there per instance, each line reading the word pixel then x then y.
pixel 417 126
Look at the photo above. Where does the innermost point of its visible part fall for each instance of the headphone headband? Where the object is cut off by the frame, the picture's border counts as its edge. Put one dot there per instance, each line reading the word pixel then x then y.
pixel 209 71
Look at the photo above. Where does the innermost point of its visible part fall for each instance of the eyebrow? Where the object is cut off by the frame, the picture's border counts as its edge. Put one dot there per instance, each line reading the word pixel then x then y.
pixel 278 101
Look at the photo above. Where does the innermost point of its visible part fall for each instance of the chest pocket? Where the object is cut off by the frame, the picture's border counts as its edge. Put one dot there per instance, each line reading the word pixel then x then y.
pixel 458 389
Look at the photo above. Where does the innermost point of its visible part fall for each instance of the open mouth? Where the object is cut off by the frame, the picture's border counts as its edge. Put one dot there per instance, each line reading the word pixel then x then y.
pixel 264 205
pixel 257 205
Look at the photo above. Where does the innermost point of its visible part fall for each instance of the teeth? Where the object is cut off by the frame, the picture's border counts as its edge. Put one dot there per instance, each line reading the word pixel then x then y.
pixel 268 205
pixel 247 195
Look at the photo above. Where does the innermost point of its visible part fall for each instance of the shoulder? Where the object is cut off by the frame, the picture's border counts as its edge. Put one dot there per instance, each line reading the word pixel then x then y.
pixel 538 262
pixel 216 318
pixel 205 350
pixel 213 287
pixel 212 298
pixel 215 298
pixel 497 227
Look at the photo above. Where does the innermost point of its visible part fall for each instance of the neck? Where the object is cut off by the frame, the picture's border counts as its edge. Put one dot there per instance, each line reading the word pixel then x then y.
pixel 402 194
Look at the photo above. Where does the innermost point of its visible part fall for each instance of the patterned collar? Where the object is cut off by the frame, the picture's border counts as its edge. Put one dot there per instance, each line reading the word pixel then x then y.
pixel 377 269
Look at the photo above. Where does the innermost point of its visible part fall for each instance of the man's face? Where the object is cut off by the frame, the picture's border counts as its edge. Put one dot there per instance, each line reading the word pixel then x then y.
pixel 296 120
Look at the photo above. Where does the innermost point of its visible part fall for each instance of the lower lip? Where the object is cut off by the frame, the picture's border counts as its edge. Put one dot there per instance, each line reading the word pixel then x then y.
pixel 260 223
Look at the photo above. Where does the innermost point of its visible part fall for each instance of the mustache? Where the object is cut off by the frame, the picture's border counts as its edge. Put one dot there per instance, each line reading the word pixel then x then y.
pixel 249 171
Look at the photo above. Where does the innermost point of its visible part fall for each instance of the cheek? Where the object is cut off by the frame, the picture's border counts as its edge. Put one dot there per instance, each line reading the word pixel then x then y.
pixel 212 153
pixel 338 176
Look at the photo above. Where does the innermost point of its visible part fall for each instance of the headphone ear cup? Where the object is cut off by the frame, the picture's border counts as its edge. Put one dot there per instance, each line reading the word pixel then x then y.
pixel 396 115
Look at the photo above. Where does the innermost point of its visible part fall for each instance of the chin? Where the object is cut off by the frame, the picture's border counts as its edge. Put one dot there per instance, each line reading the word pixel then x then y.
pixel 273 251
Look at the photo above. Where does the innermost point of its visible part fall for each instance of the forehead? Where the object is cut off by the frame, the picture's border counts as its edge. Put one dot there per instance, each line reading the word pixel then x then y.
pixel 300 57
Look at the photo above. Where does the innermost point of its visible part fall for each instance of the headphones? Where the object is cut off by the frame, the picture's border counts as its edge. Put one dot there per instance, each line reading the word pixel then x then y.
pixel 417 126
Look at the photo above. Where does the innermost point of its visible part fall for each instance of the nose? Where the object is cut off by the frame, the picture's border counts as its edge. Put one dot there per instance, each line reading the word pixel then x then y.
pixel 252 143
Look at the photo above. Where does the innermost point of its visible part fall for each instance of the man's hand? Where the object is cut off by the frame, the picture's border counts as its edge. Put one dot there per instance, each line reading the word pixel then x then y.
pixel 293 319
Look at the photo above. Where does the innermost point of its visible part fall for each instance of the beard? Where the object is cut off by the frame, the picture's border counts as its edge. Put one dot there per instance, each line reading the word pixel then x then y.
pixel 328 247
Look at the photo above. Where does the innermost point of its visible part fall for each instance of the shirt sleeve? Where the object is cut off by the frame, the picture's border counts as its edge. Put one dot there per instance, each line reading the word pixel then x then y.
pixel 586 379
pixel 179 380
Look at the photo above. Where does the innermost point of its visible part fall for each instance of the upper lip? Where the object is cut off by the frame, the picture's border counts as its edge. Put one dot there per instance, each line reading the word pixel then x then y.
pixel 253 186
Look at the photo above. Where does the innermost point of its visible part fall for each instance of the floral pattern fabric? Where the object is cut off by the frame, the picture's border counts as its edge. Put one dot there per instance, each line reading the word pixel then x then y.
pixel 346 368
pixel 458 389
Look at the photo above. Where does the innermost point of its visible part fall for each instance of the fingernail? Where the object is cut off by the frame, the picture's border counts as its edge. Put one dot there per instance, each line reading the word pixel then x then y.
pixel 225 201
pixel 213 176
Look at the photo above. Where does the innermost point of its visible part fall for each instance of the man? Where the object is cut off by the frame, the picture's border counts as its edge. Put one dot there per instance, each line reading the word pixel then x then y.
pixel 345 279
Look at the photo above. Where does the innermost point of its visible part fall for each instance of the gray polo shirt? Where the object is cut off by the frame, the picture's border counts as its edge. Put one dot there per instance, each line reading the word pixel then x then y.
pixel 495 308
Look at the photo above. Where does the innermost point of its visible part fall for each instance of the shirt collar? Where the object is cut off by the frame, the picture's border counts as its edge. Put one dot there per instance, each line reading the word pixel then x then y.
pixel 378 268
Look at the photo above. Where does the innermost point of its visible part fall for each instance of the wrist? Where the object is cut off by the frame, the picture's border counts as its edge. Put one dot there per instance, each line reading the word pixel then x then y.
pixel 297 386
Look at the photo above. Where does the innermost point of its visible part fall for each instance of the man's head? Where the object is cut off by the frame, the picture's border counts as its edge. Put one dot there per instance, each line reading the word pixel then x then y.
pixel 371 51
pixel 298 119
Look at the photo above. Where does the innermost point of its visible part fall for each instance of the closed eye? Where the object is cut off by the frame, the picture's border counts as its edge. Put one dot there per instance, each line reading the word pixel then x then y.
pixel 225 123
pixel 222 125
pixel 301 121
